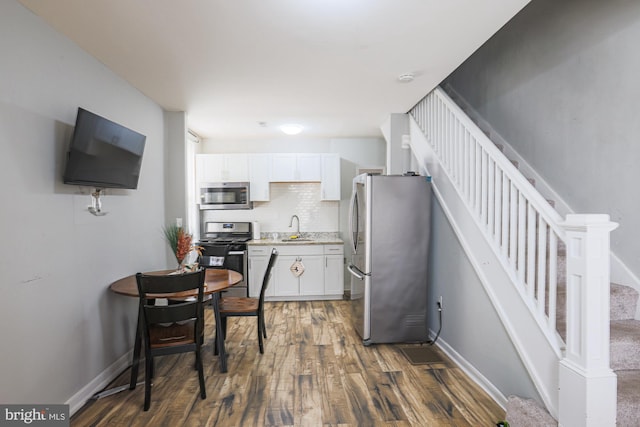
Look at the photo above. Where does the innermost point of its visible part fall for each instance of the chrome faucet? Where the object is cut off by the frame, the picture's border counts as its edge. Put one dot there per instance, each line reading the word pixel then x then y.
pixel 298 224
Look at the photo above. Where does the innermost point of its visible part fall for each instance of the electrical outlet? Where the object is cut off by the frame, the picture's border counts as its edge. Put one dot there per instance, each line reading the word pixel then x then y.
pixel 440 301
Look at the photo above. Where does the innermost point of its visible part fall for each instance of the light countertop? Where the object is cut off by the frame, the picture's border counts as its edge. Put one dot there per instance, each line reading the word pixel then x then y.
pixel 305 239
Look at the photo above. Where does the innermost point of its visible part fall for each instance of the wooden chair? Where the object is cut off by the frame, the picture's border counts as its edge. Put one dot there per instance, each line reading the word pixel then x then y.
pixel 240 306
pixel 173 328
pixel 209 261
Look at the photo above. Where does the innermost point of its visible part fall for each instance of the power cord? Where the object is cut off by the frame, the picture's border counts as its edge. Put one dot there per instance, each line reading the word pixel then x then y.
pixel 432 342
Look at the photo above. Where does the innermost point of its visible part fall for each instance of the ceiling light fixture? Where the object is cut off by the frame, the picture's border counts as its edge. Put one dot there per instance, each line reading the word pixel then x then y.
pixel 291 129
pixel 406 78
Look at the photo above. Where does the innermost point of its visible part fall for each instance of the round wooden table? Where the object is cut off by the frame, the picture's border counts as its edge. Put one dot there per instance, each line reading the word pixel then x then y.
pixel 216 280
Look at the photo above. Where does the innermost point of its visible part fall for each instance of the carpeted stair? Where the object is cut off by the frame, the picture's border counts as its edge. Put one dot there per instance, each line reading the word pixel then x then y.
pixel 624 335
pixel 625 361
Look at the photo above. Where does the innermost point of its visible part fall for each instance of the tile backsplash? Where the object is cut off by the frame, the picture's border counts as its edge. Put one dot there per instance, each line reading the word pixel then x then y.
pixel 287 199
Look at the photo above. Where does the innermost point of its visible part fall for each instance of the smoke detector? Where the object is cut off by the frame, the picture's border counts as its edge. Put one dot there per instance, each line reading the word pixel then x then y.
pixel 406 78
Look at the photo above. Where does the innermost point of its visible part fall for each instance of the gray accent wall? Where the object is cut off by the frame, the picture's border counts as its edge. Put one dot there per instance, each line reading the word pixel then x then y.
pixel 470 324
pixel 63 333
pixel 560 83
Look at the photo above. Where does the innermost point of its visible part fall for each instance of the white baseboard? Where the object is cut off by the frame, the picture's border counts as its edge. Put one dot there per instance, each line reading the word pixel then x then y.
pixel 472 372
pixel 78 400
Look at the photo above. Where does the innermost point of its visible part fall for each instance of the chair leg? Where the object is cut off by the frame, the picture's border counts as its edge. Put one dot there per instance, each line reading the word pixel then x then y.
pixel 260 335
pixel 264 327
pixel 203 390
pixel 147 381
pixel 224 328
pixel 223 324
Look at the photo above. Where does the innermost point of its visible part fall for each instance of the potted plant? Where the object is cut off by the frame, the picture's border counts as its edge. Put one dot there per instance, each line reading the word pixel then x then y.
pixel 181 243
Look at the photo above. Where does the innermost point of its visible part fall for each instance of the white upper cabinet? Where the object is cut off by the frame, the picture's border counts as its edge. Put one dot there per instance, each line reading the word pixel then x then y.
pixel 208 167
pixel 309 167
pixel 259 177
pixel 292 167
pixel 262 168
pixel 222 168
pixel 330 184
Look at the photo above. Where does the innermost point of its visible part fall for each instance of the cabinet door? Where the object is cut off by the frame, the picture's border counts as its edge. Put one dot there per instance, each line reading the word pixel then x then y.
pixel 333 275
pixel 259 176
pixel 291 167
pixel 312 280
pixel 236 167
pixel 258 262
pixel 286 282
pixel 330 185
pixel 308 167
pixel 222 168
pixel 283 167
pixel 257 267
pixel 209 168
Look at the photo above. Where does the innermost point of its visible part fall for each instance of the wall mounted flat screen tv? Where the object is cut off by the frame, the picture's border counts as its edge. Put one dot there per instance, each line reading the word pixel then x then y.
pixel 103 154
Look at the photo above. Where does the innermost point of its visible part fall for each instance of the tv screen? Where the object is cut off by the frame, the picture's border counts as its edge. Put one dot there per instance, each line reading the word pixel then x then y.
pixel 103 154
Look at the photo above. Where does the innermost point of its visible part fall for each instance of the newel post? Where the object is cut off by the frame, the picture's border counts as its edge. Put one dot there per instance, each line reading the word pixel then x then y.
pixel 588 386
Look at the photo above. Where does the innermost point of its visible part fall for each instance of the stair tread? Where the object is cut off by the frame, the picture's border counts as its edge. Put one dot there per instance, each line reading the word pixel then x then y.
pixel 623 300
pixel 625 344
pixel 528 412
pixel 625 329
pixel 628 397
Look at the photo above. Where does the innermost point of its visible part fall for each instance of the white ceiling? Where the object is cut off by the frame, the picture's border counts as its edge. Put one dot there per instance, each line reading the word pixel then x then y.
pixel 330 65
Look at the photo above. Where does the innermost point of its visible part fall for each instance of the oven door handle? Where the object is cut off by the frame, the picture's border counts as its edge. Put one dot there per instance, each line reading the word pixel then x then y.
pixel 236 253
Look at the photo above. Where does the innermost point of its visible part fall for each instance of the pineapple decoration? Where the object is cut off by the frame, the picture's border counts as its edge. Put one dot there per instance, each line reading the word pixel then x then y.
pixel 181 243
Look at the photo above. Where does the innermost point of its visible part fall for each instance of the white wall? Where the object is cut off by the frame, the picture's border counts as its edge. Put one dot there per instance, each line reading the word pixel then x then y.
pixel 560 84
pixel 175 166
pixel 61 328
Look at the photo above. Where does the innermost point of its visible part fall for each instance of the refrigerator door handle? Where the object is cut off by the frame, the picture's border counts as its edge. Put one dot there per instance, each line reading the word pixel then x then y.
pixel 355 271
pixel 353 220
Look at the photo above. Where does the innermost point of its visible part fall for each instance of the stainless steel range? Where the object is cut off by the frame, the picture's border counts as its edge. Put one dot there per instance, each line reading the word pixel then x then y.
pixel 218 238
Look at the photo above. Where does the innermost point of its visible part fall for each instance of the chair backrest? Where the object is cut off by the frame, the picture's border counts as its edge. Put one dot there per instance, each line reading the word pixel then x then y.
pixel 267 275
pixel 151 287
pixel 214 261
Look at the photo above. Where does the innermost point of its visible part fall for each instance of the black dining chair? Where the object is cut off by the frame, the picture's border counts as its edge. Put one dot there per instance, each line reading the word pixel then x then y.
pixel 173 328
pixel 247 306
pixel 207 260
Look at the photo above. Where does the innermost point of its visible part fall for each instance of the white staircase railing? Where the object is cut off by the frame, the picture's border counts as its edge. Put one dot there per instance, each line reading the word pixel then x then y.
pixel 527 235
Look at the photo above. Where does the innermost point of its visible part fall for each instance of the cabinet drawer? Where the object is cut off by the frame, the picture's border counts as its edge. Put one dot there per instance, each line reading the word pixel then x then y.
pixel 333 249
pixel 300 250
pixel 259 250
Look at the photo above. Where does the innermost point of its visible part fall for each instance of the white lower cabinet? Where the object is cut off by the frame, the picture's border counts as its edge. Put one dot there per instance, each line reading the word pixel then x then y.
pixel 334 270
pixel 301 272
pixel 258 261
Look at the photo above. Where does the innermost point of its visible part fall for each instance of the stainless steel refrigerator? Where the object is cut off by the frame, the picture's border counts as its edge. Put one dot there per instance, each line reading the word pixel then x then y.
pixel 389 228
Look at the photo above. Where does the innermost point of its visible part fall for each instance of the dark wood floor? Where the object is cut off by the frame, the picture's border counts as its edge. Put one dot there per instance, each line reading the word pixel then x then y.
pixel 314 372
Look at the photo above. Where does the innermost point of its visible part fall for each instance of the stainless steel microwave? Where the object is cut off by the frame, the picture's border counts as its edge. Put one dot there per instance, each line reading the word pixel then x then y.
pixel 225 195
